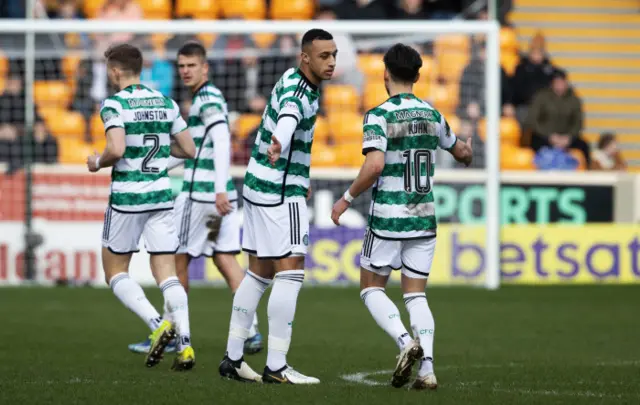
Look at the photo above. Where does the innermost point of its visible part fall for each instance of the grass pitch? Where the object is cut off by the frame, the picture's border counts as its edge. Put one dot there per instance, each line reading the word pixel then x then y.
pixel 519 345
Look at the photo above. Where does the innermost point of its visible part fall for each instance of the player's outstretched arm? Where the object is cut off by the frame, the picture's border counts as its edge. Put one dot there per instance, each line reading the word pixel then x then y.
pixel 282 137
pixel 462 152
pixel 369 173
pixel 113 151
pixel 183 147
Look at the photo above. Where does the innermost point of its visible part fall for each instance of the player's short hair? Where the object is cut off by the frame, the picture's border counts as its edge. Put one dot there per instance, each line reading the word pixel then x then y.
pixel 313 35
pixel 193 48
pixel 126 57
pixel 403 63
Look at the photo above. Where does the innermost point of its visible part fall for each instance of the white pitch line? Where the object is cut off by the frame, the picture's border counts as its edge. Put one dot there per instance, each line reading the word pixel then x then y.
pixel 362 377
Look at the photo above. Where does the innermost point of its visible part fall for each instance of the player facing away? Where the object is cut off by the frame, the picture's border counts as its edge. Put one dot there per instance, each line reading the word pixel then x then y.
pixel 143 128
pixel 206 211
pixel 400 140
pixel 276 226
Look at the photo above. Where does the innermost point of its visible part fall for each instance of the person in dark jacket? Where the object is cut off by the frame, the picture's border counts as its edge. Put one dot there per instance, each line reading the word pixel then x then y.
pixel 472 88
pixel 364 10
pixel 533 73
pixel 556 117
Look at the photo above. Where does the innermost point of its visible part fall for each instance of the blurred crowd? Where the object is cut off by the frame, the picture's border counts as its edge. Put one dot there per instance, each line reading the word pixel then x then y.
pixel 542 116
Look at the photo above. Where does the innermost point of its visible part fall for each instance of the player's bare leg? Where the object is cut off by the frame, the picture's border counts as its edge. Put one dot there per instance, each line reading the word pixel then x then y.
pixel 233 274
pixel 163 267
pixel 289 275
pixel 182 269
pixel 423 327
pixel 245 302
pixel 387 316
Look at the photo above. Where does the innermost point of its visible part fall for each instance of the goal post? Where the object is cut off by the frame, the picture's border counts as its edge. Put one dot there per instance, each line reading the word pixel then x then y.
pixel 328 182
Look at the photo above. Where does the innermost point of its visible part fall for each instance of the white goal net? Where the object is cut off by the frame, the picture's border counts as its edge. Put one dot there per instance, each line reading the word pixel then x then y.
pixel 57 68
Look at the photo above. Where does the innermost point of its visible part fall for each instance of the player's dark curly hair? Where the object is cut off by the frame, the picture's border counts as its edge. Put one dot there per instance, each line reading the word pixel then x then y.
pixel 403 63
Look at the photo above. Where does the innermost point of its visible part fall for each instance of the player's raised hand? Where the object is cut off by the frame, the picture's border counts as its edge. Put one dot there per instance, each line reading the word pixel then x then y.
pixel 92 162
pixel 273 153
pixel 338 209
pixel 222 204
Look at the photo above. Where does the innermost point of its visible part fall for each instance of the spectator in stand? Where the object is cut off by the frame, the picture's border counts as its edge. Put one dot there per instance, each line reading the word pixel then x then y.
pixel 227 68
pixel 347 71
pixel 443 9
pixel 67 10
pixel 410 10
pixel 607 156
pixel 556 118
pixel 472 93
pixel 533 73
pixel 115 10
pixel 157 73
pixel 363 10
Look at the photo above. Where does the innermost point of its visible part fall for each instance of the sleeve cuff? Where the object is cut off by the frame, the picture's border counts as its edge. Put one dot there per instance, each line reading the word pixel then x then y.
pixel 450 148
pixel 288 115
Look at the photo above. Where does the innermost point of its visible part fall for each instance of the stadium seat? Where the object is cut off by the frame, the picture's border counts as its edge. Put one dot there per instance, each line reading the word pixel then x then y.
pixel 374 94
pixel 509 62
pixel 264 40
pixel 454 122
pixel 321 132
pixel 340 97
pixel 428 69
pixel 323 155
pixel 291 9
pixel 422 88
pixel 451 65
pixel 206 39
pixel 444 97
pixel 245 124
pixel 508 40
pixel 371 65
pixel 159 40
pixel 72 40
pixel 582 162
pixel 516 158
pixel 245 9
pixel 197 9
pixel 4 64
pixel 346 127
pixel 52 92
pixel 96 127
pixel 91 8
pixel 74 151
pixel 99 144
pixel 510 131
pixel 70 63
pixel 156 9
pixel 69 124
pixel 458 43
pixel 49 112
pixel 349 154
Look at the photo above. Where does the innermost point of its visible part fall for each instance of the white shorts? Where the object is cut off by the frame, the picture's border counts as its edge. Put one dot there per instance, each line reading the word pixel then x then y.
pixel 122 231
pixel 413 256
pixel 191 221
pixel 276 232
